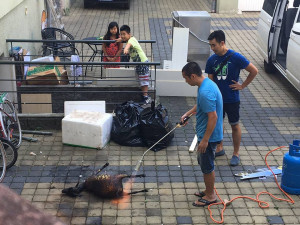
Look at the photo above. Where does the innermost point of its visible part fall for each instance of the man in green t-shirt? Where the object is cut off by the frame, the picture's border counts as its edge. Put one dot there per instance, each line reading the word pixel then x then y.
pixel 137 54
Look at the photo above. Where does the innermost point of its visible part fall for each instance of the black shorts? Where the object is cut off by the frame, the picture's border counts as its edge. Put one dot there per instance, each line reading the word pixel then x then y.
pixel 232 110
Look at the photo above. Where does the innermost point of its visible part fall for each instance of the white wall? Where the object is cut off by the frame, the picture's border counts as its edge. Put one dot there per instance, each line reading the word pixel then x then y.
pixel 8 6
pixel 20 19
pixel 7 73
pixel 247 5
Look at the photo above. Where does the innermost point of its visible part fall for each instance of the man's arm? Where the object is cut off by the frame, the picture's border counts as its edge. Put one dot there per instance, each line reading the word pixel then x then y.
pixel 104 49
pixel 211 123
pixel 120 49
pixel 211 76
pixel 252 73
pixel 188 113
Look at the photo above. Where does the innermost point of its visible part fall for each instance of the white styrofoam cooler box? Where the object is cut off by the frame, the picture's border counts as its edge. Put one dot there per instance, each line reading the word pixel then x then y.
pixel 87 129
pixel 91 106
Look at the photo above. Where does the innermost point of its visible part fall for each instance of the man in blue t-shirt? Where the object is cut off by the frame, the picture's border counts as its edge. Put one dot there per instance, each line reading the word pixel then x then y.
pixel 209 127
pixel 224 68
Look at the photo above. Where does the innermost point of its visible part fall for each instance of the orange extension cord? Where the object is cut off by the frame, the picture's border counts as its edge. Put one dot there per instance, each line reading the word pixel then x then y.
pixel 262 204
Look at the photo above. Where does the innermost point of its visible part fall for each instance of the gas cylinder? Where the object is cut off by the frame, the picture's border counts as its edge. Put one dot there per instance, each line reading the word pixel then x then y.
pixel 290 180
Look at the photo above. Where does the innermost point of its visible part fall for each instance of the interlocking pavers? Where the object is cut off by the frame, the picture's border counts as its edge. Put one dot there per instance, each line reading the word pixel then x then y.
pixel 269 118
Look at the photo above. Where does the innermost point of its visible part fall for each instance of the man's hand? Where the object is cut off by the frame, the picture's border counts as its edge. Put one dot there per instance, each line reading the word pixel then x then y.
pixel 252 73
pixel 188 114
pixel 185 118
pixel 182 119
pixel 236 86
pixel 119 40
pixel 202 146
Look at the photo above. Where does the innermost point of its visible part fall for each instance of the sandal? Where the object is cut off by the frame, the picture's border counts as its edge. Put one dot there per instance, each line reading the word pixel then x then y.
pixel 206 202
pixel 199 194
pixel 220 153
pixel 235 160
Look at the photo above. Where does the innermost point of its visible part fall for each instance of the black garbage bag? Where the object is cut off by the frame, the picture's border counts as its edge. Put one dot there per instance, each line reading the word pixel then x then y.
pixel 126 125
pixel 155 124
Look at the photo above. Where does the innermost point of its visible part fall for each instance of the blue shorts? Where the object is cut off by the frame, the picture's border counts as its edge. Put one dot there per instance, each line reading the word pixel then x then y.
pixel 233 112
pixel 207 160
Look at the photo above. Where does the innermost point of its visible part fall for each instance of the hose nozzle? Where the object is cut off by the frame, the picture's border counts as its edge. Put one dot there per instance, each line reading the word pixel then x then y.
pixel 138 165
pixel 185 119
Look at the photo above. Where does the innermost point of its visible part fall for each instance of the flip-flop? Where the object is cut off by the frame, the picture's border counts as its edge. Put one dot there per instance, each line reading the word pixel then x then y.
pixel 206 202
pixel 199 194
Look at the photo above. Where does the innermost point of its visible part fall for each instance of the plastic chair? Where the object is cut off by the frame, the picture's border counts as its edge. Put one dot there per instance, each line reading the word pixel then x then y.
pixel 61 49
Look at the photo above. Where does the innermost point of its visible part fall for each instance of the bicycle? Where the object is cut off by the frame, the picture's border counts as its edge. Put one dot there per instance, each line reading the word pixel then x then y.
pixel 2 162
pixel 10 134
pixel 10 128
pixel 8 156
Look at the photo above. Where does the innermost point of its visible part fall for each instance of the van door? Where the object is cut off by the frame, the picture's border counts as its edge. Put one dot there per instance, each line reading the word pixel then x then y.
pixel 275 29
pixel 264 26
pixel 288 20
pixel 293 51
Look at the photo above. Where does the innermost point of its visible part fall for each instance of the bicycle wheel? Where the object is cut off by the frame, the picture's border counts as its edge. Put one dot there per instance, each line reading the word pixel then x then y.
pixel 11 124
pixel 2 162
pixel 10 152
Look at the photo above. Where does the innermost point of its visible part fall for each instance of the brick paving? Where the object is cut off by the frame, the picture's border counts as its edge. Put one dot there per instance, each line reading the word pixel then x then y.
pixel 270 117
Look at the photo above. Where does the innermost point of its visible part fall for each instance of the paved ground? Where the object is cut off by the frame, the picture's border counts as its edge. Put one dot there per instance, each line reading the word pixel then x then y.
pixel 270 118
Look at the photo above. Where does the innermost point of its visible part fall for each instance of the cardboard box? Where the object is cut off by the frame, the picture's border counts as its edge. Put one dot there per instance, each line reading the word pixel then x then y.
pixel 62 75
pixel 47 75
pixel 42 75
pixel 44 59
pixel 63 78
pixel 35 103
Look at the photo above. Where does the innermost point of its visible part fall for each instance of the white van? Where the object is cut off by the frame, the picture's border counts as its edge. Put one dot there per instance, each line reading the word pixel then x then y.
pixel 278 38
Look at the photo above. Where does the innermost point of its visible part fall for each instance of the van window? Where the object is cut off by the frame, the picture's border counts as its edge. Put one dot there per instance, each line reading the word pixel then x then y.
pixel 269 6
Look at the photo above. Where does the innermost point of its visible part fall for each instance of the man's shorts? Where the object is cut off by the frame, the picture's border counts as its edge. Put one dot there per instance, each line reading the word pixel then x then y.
pixel 233 112
pixel 207 160
pixel 143 72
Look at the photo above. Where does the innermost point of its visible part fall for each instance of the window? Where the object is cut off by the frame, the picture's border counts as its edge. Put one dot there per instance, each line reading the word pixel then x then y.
pixel 269 6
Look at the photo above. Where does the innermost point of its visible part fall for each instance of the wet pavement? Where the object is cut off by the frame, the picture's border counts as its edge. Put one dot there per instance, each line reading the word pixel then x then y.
pixel 270 117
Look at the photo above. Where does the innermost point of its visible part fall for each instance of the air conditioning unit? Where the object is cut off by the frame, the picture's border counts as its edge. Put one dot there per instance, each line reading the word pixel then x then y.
pixel 199 23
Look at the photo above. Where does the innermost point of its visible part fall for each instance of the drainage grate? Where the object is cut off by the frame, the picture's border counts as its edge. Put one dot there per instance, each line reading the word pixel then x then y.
pixel 184 220
pixel 275 220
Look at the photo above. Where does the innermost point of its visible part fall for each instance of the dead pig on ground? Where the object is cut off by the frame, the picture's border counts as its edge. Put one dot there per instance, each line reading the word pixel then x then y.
pixel 103 185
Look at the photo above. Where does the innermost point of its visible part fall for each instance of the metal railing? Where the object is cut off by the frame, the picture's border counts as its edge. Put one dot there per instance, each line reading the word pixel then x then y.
pixel 91 85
